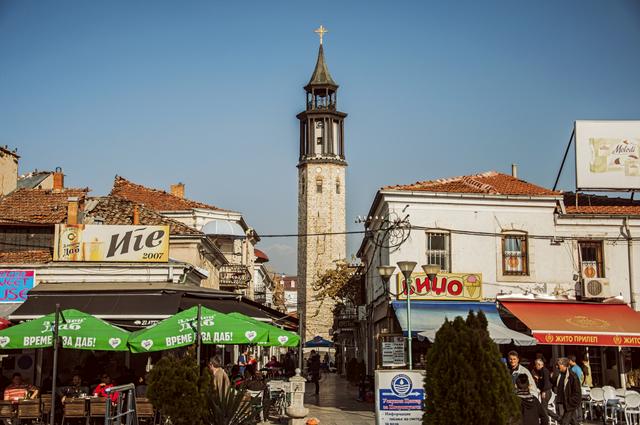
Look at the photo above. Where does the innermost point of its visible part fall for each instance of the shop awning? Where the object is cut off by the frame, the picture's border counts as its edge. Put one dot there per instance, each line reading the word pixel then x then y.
pixel 566 323
pixel 428 316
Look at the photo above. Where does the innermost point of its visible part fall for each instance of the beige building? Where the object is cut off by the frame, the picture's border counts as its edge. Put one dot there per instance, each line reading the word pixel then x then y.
pixel 321 197
pixel 8 170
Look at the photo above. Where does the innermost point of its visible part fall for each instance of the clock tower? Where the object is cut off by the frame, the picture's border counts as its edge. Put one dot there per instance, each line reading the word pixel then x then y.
pixel 321 196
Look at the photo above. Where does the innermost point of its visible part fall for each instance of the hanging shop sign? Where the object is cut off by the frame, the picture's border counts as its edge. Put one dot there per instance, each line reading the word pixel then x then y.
pixel 607 155
pixel 14 285
pixel 445 286
pixel 111 243
pixel 399 397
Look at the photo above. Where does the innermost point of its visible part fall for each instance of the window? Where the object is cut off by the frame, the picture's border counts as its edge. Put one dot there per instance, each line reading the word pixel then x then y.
pixel 319 184
pixel 319 140
pixel 515 261
pixel 591 259
pixel 438 250
pixel 338 186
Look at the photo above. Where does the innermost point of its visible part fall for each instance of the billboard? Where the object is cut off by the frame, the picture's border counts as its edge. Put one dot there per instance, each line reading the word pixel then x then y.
pixel 111 243
pixel 607 155
pixel 445 286
pixel 14 285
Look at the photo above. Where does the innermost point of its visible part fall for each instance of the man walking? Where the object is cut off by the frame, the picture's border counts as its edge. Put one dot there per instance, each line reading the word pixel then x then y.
pixel 575 368
pixel 516 369
pixel 568 393
pixel 314 369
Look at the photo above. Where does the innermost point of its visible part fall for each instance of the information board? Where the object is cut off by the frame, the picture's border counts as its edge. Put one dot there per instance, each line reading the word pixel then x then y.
pixel 399 397
pixel 392 350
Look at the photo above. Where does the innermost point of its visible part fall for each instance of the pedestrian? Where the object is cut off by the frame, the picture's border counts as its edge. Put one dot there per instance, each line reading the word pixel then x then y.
pixel 515 368
pixel 543 381
pixel 586 368
pixel 289 365
pixel 568 393
pixel 575 368
pixel 220 380
pixel 243 360
pixel 314 369
pixel 532 412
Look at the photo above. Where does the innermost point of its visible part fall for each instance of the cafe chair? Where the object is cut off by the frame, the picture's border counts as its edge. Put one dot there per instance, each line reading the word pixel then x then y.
pixel 611 404
pixel 74 409
pixel 97 408
pixel 7 410
pixel 632 409
pixel 257 402
pixel 29 410
pixel 45 399
pixel 596 400
pixel 551 406
pixel 145 411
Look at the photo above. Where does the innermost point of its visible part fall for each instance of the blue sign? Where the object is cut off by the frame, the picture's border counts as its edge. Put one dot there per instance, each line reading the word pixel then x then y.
pixel 14 285
pixel 400 397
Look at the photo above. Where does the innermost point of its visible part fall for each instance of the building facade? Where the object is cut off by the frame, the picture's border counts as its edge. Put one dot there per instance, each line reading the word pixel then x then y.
pixel 514 237
pixel 321 197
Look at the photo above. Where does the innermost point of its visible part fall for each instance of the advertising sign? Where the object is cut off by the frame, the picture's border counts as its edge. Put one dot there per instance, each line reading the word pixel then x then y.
pixel 445 286
pixel 607 155
pixel 14 285
pixel 94 242
pixel 399 397
pixel 392 350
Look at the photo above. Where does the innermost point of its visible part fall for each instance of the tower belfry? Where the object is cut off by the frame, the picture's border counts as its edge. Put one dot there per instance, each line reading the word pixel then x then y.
pixel 321 194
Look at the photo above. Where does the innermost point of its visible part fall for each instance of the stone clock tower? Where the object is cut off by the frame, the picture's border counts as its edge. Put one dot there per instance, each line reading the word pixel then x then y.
pixel 321 195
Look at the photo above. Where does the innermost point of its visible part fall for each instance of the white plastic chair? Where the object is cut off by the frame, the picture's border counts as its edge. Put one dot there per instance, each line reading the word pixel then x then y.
pixel 620 392
pixel 596 399
pixel 259 397
pixel 611 404
pixel 551 406
pixel 632 408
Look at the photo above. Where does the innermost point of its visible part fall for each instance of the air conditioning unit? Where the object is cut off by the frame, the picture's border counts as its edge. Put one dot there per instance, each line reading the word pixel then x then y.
pixel 596 288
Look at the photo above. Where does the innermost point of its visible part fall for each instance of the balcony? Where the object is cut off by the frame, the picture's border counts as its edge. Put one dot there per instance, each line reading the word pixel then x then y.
pixel 234 277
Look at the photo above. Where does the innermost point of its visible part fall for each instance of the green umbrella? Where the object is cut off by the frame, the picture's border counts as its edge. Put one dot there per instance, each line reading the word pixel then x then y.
pixel 179 330
pixel 77 330
pixel 277 337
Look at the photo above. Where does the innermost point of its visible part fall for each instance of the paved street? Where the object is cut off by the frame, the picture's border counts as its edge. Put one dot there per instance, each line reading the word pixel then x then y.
pixel 336 404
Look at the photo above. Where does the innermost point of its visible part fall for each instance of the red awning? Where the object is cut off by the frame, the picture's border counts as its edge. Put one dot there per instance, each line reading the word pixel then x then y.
pixel 579 323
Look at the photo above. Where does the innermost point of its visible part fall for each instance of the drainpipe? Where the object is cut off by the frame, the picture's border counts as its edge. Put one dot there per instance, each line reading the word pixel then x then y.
pixel 627 230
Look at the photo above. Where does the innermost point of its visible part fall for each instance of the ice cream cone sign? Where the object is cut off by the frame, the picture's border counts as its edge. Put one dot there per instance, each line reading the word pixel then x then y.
pixel 471 285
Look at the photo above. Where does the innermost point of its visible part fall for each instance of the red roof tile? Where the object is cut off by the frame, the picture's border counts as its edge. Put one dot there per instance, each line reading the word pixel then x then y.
pixel 599 204
pixel 114 210
pixel 37 206
pixel 155 199
pixel 490 182
pixel 36 256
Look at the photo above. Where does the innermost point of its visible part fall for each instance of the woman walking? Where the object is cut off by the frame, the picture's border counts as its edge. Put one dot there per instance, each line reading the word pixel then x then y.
pixel 542 378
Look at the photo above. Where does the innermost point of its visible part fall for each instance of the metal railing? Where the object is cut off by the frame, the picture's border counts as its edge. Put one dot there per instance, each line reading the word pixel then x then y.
pixel 126 394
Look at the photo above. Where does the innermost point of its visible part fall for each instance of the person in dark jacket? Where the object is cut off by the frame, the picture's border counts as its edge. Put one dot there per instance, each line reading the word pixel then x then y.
pixel 568 393
pixel 314 369
pixel 531 410
pixel 542 377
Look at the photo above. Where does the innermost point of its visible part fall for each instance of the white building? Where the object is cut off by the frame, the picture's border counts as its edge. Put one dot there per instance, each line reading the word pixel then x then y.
pixel 518 237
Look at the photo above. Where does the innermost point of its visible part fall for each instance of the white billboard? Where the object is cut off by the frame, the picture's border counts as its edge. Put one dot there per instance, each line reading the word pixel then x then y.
pixel 607 155
pixel 107 243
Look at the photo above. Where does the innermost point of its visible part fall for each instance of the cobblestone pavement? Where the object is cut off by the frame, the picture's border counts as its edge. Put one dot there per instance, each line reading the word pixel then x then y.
pixel 337 403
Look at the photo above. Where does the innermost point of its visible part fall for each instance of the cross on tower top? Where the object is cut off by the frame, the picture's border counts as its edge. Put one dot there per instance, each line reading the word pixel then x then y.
pixel 321 31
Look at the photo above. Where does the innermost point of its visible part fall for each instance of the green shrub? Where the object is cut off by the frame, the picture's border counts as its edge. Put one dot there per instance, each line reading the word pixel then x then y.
pixel 466 383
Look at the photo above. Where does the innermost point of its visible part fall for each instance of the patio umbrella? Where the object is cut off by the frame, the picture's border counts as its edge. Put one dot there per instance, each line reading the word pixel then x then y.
pixel 78 330
pixel 75 329
pixel 277 337
pixel 318 341
pixel 180 330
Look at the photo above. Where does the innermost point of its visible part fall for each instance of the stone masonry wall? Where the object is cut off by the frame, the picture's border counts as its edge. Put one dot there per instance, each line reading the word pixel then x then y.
pixel 319 212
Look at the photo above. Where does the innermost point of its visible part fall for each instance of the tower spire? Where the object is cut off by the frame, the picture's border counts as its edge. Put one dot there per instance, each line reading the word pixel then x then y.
pixel 321 76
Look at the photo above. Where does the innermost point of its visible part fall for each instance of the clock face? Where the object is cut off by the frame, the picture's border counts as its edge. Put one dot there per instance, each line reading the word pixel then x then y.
pixel 319 124
pixel 318 170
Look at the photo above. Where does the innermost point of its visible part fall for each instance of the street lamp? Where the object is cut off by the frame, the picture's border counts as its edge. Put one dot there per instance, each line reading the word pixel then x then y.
pixel 407 267
pixel 431 270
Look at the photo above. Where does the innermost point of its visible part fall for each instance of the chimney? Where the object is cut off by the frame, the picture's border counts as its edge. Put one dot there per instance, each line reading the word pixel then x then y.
pixel 72 210
pixel 514 170
pixel 177 190
pixel 58 179
pixel 136 215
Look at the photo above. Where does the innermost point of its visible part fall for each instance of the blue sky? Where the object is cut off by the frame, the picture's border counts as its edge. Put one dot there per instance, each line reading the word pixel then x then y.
pixel 206 92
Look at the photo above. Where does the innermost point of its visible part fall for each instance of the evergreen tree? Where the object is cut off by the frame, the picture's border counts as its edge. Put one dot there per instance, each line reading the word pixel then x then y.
pixel 466 383
pixel 178 391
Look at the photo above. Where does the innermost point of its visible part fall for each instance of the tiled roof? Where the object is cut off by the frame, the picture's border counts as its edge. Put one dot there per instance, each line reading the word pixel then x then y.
pixel 114 210
pixel 32 180
pixel 37 206
pixel 155 199
pixel 491 182
pixel 599 204
pixel 35 256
